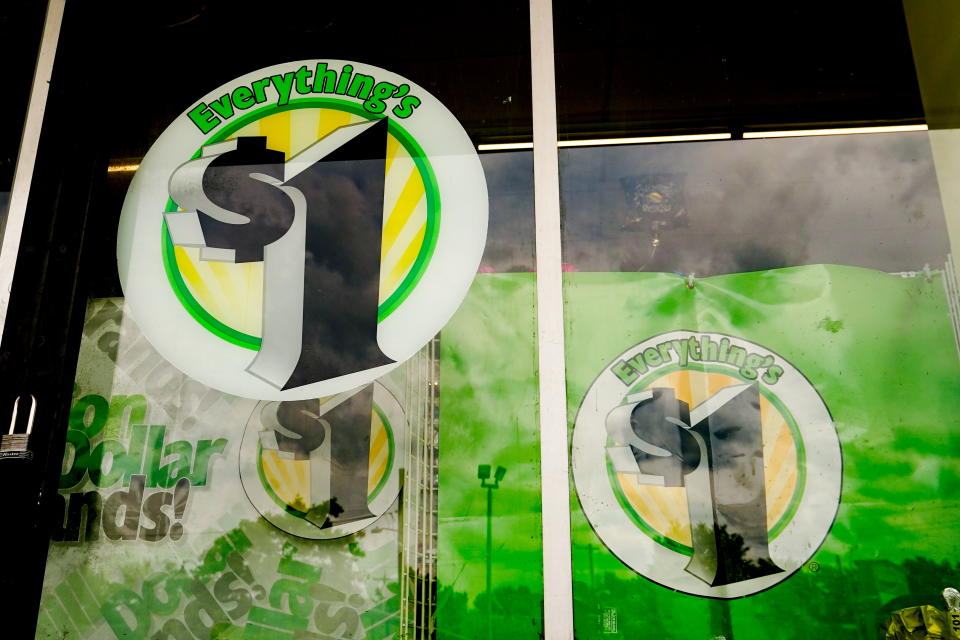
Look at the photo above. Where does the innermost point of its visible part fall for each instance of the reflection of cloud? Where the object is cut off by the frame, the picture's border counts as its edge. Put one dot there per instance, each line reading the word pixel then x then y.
pixel 510 236
pixel 865 200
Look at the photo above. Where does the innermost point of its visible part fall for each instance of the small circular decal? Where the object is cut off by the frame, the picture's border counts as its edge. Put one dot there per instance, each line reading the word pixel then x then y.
pixel 324 468
pixel 302 230
pixel 707 463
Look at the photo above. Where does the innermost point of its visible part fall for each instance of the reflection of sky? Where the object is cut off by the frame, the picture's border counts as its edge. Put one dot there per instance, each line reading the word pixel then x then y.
pixel 510 233
pixel 864 200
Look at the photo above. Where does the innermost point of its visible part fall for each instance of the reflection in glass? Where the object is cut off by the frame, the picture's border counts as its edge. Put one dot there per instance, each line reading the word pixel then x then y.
pixel 734 206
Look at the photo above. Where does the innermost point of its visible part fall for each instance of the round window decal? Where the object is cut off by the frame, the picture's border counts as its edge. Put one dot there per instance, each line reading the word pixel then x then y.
pixel 707 463
pixel 301 230
pixel 341 472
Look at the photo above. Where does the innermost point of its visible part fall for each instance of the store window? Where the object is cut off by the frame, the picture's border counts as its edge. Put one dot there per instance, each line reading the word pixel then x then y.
pixel 757 296
pixel 280 316
pixel 196 499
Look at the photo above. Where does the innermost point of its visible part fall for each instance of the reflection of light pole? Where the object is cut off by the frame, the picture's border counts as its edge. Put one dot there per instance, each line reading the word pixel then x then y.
pixel 483 472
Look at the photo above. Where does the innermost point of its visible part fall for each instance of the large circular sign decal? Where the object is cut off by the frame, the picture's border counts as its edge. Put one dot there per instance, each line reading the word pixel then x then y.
pixel 707 463
pixel 302 230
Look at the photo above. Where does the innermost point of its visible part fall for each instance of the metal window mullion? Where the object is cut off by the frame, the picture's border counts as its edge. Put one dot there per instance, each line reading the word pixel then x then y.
pixel 415 495
pixel 401 522
pixel 27 156
pixel 554 465
pixel 427 482
pixel 406 512
pixel 434 454
pixel 422 485
pixel 418 571
pixel 415 492
pixel 412 511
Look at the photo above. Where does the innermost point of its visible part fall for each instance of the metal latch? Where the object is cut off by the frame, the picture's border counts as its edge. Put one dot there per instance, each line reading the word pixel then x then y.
pixel 14 445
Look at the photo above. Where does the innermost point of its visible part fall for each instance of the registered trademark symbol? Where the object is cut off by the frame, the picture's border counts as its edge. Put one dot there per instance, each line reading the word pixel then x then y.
pixel 813 566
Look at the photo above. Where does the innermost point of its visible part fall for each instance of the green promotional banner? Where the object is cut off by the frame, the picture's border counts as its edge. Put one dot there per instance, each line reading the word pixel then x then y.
pixel 751 452
pixel 490 551
pixel 181 517
pixel 760 454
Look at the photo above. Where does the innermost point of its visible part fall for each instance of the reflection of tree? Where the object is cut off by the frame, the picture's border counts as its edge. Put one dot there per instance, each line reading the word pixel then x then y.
pixel 422 591
pixel 366 594
pixel 736 565
pixel 926 579
pixel 614 610
pixel 721 557
pixel 839 599
pixel 517 613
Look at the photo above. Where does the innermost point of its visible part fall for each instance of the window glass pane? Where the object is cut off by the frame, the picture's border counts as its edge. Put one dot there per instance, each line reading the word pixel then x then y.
pixel 761 358
pixel 189 506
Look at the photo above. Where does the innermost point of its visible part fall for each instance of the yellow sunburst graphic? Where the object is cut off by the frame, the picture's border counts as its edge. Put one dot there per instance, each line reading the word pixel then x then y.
pixel 290 479
pixel 665 508
pixel 379 453
pixel 233 293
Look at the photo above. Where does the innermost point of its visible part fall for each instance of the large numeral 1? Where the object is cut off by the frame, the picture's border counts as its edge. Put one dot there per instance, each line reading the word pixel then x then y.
pixel 341 284
pixel 715 451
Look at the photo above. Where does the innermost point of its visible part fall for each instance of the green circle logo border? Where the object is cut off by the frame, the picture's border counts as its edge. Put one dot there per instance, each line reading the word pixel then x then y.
pixel 431 190
pixel 791 509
